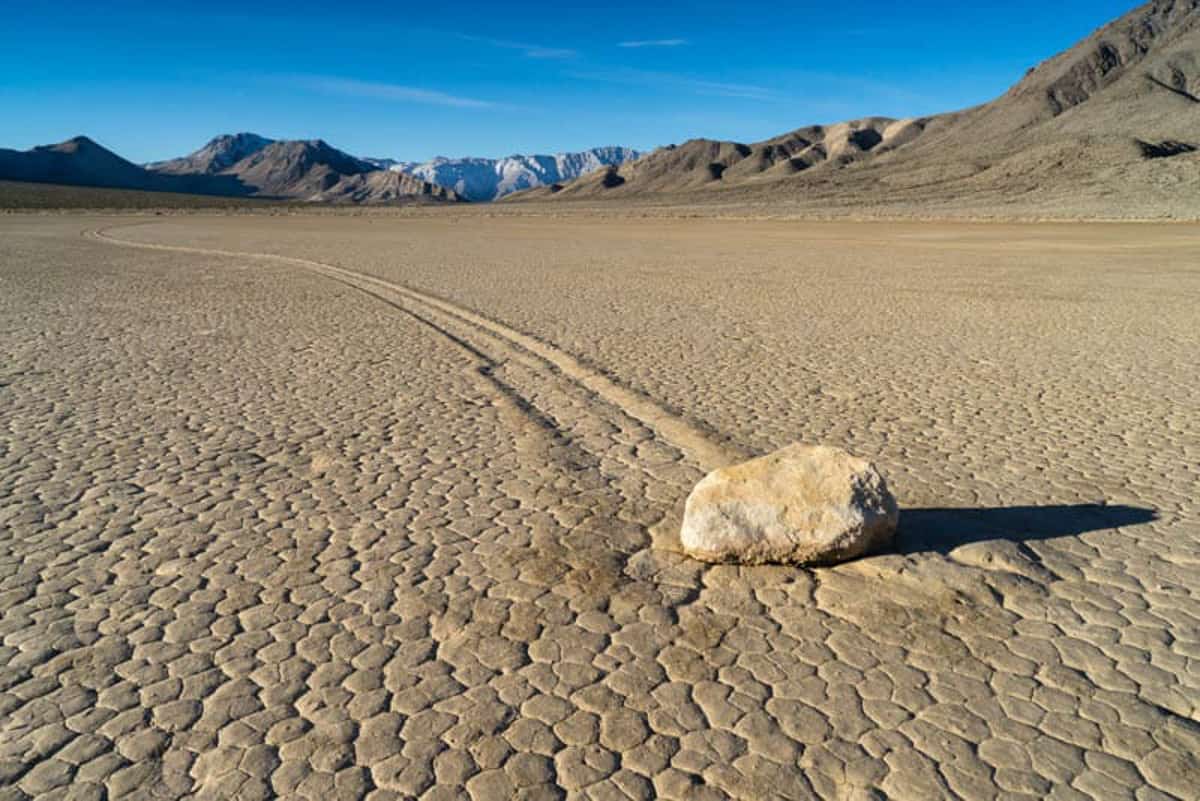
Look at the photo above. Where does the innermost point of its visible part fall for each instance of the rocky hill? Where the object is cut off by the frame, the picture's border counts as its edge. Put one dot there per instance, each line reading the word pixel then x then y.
pixel 384 186
pixel 219 154
pixel 297 169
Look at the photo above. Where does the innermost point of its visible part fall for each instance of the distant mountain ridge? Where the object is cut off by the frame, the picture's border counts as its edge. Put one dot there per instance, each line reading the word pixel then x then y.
pixel 79 161
pixel 234 165
pixel 481 179
pixel 250 165
pixel 303 168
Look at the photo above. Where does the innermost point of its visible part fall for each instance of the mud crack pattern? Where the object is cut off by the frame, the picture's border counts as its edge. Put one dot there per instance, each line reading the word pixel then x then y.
pixel 284 527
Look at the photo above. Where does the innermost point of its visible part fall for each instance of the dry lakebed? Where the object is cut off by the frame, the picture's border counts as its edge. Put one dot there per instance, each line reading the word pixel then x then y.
pixel 387 506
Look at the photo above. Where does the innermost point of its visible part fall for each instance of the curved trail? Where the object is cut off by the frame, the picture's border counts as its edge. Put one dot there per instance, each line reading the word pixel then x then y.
pixel 441 315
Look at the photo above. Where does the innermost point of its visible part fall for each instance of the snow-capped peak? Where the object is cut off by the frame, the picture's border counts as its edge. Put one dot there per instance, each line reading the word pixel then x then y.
pixel 489 179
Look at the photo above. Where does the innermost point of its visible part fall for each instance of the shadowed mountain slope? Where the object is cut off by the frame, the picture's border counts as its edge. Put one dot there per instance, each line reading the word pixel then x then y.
pixel 78 160
pixel 82 162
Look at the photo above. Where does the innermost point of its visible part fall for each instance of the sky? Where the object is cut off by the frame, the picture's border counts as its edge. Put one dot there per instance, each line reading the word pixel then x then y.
pixel 415 80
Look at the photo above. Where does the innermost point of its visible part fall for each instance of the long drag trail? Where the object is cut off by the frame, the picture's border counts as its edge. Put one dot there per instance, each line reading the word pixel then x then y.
pixel 468 327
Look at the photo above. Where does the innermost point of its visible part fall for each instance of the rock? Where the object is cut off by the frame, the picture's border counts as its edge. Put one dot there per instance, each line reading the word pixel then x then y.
pixel 802 504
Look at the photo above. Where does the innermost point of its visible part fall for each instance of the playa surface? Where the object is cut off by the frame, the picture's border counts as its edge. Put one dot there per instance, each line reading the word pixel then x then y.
pixel 386 506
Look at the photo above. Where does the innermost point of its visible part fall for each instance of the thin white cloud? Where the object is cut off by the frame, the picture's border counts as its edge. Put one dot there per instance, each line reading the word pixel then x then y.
pixel 654 43
pixel 667 80
pixel 528 50
pixel 387 91
pixel 843 85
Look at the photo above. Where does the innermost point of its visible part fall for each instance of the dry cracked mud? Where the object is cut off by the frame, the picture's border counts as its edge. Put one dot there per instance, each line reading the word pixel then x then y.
pixel 386 507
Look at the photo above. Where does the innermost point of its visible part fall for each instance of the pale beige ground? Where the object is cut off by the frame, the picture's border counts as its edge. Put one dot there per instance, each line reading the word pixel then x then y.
pixel 394 518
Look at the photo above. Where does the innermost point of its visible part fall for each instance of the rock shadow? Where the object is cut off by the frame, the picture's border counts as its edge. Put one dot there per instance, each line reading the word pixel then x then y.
pixel 943 530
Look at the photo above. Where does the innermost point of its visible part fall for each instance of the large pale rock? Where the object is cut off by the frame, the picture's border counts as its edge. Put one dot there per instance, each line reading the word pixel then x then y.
pixel 803 504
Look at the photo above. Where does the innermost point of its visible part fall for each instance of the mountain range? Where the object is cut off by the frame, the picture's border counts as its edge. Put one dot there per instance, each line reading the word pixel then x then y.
pixel 489 179
pixel 249 165
pixel 236 165
pixel 1110 125
pixel 82 162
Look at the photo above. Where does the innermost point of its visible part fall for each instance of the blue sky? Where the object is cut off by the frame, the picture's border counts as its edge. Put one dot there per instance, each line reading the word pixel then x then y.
pixel 411 81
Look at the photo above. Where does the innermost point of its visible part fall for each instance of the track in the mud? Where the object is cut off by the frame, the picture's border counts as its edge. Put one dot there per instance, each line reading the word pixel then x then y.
pixel 478 335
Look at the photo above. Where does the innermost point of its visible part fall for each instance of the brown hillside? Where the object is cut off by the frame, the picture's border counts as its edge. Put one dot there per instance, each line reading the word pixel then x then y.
pixel 1112 123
